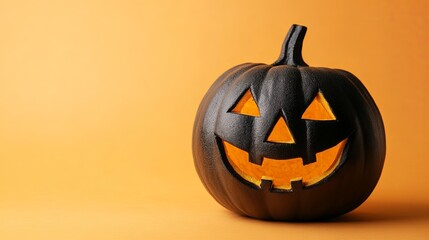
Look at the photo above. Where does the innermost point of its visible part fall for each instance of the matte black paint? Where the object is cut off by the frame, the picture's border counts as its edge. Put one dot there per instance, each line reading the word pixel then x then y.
pixel 286 88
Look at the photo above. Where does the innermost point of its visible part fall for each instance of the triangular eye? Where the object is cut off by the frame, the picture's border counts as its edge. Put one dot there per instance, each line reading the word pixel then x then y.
pixel 246 105
pixel 319 109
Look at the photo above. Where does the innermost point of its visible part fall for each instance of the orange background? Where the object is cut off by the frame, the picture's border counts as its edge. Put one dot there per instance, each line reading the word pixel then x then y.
pixel 98 98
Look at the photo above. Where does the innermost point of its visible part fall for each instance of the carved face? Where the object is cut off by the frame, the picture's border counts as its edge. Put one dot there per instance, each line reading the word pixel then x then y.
pixel 274 130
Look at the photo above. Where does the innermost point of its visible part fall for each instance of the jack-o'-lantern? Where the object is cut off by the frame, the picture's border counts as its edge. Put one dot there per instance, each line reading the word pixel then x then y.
pixel 287 141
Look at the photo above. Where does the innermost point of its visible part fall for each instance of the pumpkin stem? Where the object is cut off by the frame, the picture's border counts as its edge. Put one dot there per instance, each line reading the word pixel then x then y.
pixel 292 47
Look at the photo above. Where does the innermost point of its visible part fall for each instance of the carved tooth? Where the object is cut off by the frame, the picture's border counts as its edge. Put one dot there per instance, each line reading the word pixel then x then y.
pixel 296 184
pixel 266 183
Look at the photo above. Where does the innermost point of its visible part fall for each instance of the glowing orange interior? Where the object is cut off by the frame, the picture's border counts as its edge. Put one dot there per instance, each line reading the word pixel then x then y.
pixel 282 172
pixel 281 133
pixel 247 105
pixel 319 109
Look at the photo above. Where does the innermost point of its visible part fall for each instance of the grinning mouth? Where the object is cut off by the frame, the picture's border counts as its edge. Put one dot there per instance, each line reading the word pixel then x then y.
pixel 283 172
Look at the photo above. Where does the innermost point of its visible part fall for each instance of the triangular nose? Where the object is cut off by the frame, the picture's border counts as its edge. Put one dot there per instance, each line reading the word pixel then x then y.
pixel 280 133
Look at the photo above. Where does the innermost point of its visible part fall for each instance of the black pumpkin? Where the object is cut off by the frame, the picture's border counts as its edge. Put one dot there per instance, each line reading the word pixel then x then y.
pixel 287 141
